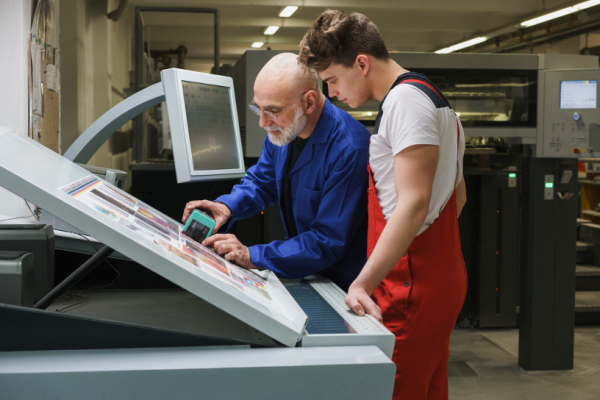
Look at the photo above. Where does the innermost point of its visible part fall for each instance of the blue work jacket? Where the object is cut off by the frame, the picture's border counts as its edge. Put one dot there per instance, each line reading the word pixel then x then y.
pixel 329 198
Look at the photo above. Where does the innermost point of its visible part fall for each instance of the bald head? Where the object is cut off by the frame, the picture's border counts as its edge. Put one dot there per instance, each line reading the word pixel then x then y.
pixel 283 74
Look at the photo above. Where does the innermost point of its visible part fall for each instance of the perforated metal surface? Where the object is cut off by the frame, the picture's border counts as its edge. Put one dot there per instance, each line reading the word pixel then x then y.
pixel 335 297
pixel 322 317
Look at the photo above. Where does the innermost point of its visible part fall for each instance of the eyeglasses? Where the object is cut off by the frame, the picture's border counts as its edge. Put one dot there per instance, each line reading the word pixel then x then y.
pixel 257 110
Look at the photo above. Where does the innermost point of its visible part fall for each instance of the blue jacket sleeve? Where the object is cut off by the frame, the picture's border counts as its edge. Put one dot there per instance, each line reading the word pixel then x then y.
pixel 341 211
pixel 256 191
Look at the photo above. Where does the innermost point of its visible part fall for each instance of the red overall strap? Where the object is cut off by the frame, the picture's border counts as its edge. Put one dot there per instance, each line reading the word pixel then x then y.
pixel 423 83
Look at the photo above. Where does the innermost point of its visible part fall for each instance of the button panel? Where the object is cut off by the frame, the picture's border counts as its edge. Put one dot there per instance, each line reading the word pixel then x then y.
pixel 335 297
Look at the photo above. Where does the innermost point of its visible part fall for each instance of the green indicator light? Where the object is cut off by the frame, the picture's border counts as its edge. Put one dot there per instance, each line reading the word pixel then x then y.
pixel 512 175
pixel 549 185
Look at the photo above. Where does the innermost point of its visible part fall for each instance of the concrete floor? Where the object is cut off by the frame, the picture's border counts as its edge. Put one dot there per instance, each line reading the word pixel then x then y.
pixel 483 365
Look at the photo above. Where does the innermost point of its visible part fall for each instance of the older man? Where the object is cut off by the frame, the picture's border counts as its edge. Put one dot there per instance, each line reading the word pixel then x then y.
pixel 314 163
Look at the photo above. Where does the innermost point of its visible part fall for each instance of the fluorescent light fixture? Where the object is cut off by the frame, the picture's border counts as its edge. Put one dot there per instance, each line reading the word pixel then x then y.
pixel 288 11
pixel 462 45
pixel 548 17
pixel 271 30
pixel 560 13
pixel 257 45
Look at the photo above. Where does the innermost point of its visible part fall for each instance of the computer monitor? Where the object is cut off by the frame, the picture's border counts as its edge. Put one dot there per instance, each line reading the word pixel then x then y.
pixel 204 126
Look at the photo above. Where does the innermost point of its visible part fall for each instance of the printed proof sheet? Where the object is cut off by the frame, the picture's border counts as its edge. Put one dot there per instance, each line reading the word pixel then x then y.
pixel 143 220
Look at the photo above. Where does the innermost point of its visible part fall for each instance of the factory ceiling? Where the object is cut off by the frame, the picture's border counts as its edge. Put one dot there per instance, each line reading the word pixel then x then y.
pixel 425 25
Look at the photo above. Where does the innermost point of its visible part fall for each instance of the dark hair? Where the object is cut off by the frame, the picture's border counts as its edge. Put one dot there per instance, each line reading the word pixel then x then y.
pixel 337 37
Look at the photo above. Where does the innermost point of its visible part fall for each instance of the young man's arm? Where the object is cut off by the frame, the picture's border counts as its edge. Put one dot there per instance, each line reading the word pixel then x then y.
pixel 461 196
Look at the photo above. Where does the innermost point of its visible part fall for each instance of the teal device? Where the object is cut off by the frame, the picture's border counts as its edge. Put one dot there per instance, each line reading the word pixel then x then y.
pixel 199 226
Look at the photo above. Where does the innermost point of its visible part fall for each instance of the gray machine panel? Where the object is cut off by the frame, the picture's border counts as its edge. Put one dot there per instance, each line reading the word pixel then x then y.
pixel 470 61
pixel 565 132
pixel 223 373
pixel 344 329
pixel 20 172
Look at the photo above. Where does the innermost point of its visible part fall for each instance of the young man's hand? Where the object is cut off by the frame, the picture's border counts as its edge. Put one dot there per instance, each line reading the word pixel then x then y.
pixel 359 301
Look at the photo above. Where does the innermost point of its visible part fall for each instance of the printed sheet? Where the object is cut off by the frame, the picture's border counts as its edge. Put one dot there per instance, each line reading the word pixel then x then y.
pixel 166 233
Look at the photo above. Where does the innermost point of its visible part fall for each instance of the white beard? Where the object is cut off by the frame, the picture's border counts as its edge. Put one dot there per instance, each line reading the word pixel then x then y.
pixel 288 134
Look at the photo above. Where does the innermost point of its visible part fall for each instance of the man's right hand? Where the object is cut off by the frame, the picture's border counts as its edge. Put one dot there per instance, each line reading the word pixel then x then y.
pixel 220 212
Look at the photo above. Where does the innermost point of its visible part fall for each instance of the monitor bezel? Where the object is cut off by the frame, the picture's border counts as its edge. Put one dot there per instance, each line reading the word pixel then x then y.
pixel 184 167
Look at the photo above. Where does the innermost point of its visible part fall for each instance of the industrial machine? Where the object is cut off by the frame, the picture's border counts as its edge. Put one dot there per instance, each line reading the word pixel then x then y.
pixel 227 330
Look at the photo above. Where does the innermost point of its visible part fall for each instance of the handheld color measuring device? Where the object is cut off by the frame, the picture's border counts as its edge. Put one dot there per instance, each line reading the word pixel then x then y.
pixel 199 226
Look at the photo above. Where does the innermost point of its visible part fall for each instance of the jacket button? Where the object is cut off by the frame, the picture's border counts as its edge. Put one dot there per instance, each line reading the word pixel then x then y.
pixel 406 283
pixel 405 254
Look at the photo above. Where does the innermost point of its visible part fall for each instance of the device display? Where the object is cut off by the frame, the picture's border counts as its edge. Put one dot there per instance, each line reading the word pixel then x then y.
pixel 210 126
pixel 578 94
pixel 199 226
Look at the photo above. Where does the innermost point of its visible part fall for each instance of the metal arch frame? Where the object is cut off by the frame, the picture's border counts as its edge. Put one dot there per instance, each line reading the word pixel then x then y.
pixel 104 127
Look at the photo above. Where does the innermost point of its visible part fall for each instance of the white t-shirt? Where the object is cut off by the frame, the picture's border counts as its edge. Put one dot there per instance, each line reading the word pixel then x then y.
pixel 411 115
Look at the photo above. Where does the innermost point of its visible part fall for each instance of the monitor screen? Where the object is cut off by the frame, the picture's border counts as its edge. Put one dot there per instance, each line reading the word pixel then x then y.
pixel 578 94
pixel 211 131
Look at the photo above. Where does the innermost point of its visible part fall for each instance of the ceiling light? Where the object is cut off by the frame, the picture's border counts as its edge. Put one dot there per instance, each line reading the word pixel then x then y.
pixel 548 17
pixel 560 13
pixel 288 11
pixel 257 45
pixel 462 45
pixel 271 30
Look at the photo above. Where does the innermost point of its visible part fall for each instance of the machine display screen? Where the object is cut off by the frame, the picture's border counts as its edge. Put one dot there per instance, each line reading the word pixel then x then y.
pixel 578 94
pixel 210 126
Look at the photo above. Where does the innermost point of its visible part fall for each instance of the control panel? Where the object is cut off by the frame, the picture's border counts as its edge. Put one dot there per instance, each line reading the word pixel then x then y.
pixel 569 108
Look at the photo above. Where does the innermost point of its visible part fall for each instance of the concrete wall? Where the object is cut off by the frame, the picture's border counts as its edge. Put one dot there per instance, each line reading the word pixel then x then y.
pixel 97 58
pixel 15 23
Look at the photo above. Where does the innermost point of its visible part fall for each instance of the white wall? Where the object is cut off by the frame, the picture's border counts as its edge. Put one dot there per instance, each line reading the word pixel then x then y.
pixel 97 57
pixel 15 22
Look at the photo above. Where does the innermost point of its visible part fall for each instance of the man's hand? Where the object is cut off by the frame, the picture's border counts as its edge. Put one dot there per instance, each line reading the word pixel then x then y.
pixel 359 301
pixel 231 249
pixel 220 212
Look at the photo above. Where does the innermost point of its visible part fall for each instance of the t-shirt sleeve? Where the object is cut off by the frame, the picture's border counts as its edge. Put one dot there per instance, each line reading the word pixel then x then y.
pixel 409 118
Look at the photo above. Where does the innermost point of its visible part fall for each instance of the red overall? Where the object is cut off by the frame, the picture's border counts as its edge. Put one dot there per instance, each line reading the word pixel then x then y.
pixel 420 300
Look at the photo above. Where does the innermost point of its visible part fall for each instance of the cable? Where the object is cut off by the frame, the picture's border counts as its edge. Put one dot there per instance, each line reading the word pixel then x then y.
pixel 78 295
pixel 32 215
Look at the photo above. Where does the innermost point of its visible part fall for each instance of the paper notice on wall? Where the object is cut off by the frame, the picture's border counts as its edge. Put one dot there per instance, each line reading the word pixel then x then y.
pixel 36 78
pixel 36 129
pixel 50 76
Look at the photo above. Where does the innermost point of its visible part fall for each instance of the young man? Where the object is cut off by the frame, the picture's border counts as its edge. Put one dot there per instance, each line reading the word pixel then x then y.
pixel 415 271
pixel 314 164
